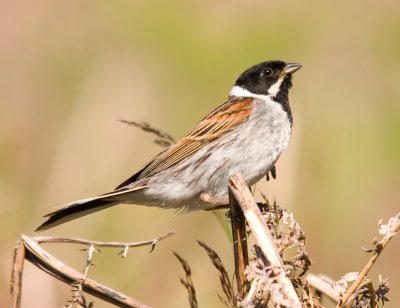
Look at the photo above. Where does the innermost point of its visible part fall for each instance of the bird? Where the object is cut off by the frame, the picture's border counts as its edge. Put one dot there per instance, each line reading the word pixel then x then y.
pixel 245 135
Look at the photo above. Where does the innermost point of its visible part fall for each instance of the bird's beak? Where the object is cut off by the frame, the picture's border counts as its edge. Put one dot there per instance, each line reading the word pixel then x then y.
pixel 291 68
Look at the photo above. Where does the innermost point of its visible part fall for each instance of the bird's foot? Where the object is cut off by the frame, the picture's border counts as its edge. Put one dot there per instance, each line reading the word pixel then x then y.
pixel 210 202
pixel 273 173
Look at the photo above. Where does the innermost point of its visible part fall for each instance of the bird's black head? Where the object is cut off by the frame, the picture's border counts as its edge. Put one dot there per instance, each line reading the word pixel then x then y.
pixel 271 78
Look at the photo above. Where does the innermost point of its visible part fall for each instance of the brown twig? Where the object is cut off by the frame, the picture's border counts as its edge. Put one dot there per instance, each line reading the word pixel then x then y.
pixel 376 253
pixel 323 285
pixel 264 238
pixel 29 248
pixel 162 138
pixel 188 282
pixel 223 275
pixel 53 266
pixel 239 237
pixel 51 239
pixel 77 290
pixel 16 275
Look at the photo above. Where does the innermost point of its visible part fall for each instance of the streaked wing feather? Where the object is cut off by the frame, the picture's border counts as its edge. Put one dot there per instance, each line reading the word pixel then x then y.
pixel 226 117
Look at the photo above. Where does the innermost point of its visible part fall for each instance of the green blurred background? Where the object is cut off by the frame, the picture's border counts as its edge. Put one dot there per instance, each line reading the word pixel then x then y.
pixel 69 70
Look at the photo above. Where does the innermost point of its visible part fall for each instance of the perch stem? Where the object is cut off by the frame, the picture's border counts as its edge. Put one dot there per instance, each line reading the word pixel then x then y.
pixel 240 250
pixel 264 238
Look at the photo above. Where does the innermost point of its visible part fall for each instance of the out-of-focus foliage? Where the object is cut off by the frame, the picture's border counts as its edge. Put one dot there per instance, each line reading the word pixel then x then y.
pixel 70 70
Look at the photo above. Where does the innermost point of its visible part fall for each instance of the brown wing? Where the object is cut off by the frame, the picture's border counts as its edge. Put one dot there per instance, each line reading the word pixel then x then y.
pixel 226 117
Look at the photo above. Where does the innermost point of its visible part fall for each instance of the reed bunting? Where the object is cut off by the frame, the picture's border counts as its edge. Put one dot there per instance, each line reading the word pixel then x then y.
pixel 244 135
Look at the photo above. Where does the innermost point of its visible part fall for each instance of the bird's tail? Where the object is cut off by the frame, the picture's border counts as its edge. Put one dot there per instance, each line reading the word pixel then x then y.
pixel 85 207
pixel 75 210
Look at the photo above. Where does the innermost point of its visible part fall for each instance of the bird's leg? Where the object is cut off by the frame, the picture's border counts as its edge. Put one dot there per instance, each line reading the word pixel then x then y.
pixel 210 202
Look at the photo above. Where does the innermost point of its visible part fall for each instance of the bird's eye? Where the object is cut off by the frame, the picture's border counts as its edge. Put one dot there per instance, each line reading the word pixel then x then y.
pixel 267 72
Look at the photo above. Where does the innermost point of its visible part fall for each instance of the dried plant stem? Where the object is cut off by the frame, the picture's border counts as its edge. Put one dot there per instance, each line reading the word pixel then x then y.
pixel 323 285
pixel 53 266
pixel 223 276
pixel 28 248
pixel 162 138
pixel 376 253
pixel 152 243
pixel 188 282
pixel 16 276
pixel 240 249
pixel 264 238
pixel 77 296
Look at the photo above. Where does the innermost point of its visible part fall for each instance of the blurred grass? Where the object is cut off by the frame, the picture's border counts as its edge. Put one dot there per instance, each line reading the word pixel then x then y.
pixel 72 69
